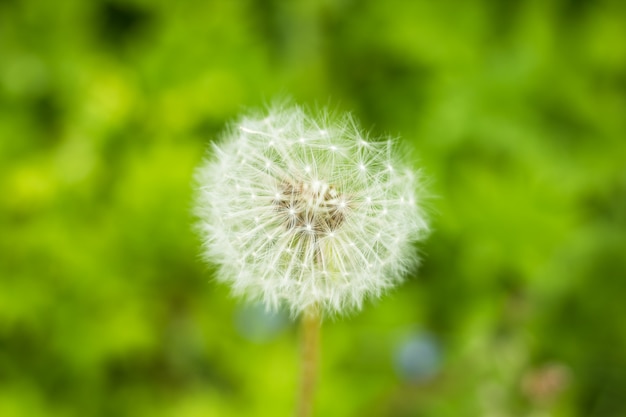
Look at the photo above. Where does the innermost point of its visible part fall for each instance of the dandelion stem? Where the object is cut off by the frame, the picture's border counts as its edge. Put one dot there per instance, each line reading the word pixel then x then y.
pixel 310 352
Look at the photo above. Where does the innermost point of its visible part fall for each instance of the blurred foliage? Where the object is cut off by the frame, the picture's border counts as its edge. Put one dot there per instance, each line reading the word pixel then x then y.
pixel 516 111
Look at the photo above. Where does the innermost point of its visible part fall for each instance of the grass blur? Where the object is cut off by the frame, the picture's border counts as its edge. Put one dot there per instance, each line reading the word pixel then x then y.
pixel 516 111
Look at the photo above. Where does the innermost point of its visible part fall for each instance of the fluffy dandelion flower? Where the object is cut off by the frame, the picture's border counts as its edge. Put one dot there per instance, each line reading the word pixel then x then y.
pixel 306 211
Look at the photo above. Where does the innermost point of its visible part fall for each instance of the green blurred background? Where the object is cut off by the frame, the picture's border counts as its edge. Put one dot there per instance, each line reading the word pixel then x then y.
pixel 516 110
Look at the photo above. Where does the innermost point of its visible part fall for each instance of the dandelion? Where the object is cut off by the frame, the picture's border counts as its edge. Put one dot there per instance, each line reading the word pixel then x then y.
pixel 308 213
pixel 302 211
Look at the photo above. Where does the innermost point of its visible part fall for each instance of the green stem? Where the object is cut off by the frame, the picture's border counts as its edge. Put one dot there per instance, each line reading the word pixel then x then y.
pixel 310 354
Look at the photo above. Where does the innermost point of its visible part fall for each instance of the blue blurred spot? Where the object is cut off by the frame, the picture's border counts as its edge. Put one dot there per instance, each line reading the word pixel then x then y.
pixel 256 324
pixel 418 358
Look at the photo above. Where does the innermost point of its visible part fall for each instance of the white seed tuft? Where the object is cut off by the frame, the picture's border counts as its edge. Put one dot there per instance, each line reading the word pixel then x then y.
pixel 322 223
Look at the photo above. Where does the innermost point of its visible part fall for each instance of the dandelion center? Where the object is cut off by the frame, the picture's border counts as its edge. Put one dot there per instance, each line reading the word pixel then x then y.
pixel 310 207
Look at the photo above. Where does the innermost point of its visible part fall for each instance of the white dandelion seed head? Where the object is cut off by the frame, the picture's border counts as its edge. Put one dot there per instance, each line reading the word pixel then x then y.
pixel 299 211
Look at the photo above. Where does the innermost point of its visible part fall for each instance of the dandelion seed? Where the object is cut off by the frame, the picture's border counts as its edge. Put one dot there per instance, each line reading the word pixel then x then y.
pixel 302 226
